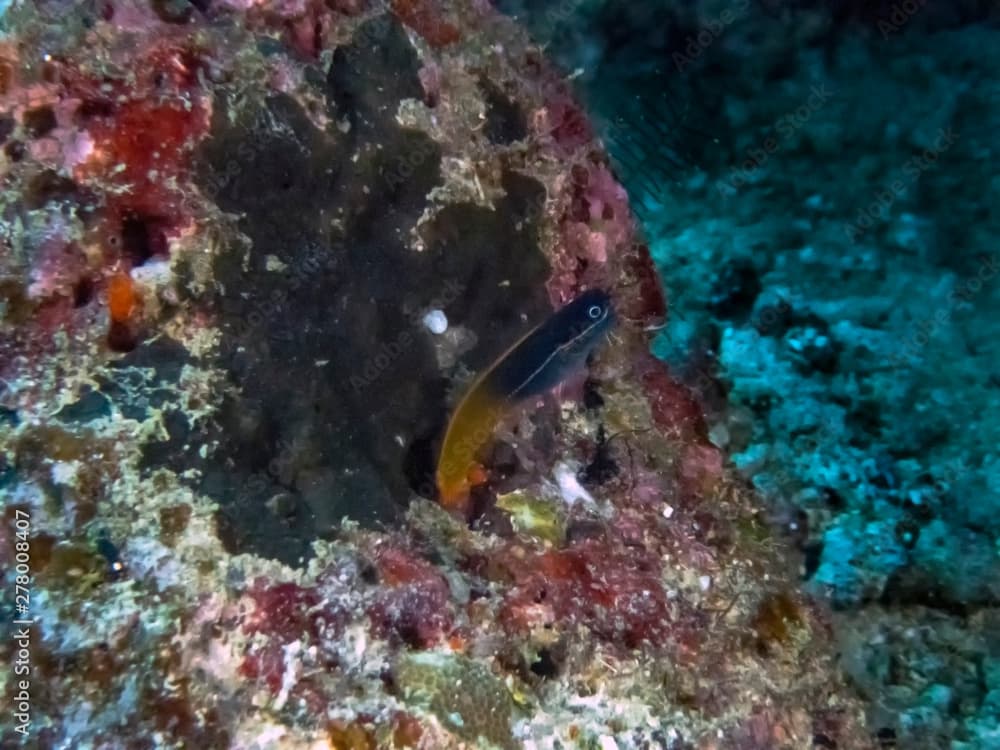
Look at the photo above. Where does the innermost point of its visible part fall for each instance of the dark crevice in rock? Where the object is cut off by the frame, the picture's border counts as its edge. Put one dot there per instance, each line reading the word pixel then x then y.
pixel 7 126
pixel 163 355
pixel 369 77
pixel 335 398
pixel 40 121
pixel 91 405
pixel 9 417
pixel 420 459
pixel 173 11
pixel 505 120
pixel 178 430
pixel 143 237
pixel 49 186
pixel 146 378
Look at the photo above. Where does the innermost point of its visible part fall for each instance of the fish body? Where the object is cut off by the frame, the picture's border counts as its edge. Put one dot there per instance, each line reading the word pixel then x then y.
pixel 539 361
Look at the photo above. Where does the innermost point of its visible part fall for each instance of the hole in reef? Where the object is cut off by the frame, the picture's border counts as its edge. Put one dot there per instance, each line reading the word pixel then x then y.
pixel 592 398
pixel 49 186
pixel 15 151
pixel 121 338
pixel 83 292
pixel 546 665
pixel 812 555
pixel 173 11
pixel 39 121
pixel 505 121
pixel 7 125
pixel 602 467
pixel 142 238
pixel 419 464
pixel 503 462
pixel 94 108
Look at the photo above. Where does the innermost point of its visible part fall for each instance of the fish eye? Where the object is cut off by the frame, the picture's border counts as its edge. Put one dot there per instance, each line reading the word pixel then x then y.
pixel 594 311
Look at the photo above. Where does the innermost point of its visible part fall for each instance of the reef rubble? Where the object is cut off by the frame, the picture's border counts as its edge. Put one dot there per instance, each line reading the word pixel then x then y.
pixel 225 225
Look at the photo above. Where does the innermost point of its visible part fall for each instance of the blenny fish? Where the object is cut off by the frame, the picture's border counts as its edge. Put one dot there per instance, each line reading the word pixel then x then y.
pixel 542 359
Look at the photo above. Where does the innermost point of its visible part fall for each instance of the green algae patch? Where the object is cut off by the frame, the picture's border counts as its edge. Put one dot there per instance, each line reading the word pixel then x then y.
pixel 534 517
pixel 464 695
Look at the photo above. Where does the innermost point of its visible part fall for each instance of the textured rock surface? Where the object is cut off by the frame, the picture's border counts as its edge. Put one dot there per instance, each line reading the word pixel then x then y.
pixel 827 234
pixel 224 226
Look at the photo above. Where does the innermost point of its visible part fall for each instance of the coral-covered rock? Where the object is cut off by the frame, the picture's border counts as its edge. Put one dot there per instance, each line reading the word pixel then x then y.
pixel 617 595
pixel 254 254
pixel 413 604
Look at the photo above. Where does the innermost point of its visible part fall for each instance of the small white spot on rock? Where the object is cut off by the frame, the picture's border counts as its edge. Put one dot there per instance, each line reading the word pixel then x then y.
pixel 569 487
pixel 154 272
pixel 668 511
pixel 274 263
pixel 436 322
pixel 705 582
pixel 291 674
pixel 64 472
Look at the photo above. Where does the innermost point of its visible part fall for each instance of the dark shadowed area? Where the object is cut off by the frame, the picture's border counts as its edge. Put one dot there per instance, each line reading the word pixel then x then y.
pixel 336 398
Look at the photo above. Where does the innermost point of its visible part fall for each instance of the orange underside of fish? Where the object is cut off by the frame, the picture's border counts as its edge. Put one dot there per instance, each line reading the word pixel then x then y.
pixel 470 429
